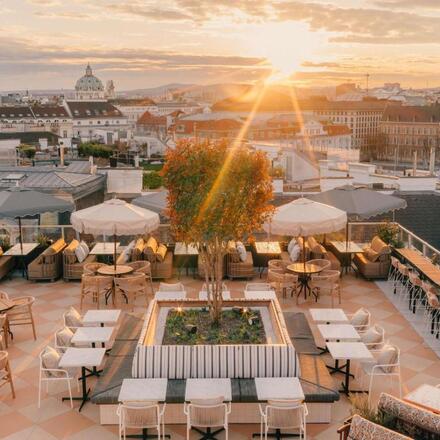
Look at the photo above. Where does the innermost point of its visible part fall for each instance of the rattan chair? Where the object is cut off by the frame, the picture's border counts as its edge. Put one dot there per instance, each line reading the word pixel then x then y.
pixel 92 268
pixel 96 286
pixel 283 282
pixel 131 287
pixel 324 282
pixel 321 262
pixel 144 267
pixel 4 330
pixel 279 266
pixel 5 372
pixel 21 313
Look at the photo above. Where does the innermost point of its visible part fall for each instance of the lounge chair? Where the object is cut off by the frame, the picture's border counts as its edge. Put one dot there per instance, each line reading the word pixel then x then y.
pixel 48 265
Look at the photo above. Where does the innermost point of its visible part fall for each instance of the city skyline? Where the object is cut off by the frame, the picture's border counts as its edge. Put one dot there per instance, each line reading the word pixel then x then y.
pixel 45 44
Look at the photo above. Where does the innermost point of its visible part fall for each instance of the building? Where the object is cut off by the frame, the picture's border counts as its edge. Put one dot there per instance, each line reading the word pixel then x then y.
pixel 134 108
pixel 149 124
pixel 89 87
pixel 409 132
pixel 167 107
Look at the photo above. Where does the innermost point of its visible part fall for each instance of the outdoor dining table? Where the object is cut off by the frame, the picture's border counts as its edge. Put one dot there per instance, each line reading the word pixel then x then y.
pixel 346 249
pixel 347 351
pixel 93 336
pixel 84 358
pixel 186 257
pixel 101 317
pixel 337 333
pixel 104 248
pixel 328 316
pixel 304 272
pixel 120 269
pixel 265 251
pixel 425 396
pixel 143 390
pixel 21 251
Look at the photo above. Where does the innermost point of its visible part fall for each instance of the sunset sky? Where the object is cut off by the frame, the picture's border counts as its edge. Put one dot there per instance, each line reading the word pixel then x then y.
pixel 142 43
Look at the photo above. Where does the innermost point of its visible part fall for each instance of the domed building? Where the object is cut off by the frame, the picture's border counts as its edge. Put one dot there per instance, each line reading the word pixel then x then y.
pixel 89 87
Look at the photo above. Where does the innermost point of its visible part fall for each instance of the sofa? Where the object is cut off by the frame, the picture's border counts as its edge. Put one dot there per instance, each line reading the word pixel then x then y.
pixel 72 268
pixel 374 262
pixel 285 256
pixel 7 263
pixel 49 264
pixel 160 258
pixel 235 267
pixel 409 419
pixel 317 250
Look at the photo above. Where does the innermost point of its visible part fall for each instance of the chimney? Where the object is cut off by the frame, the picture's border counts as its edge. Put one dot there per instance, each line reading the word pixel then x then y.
pixel 432 161
pixel 414 163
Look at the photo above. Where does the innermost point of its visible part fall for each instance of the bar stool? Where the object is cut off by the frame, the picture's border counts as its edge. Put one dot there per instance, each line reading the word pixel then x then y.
pixel 402 279
pixel 393 272
pixel 414 291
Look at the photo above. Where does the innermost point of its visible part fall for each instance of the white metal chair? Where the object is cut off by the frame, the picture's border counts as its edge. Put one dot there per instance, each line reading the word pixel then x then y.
pixel 386 364
pixel 360 320
pixel 50 372
pixel 72 319
pixel 141 415
pixel 208 414
pixel 63 339
pixel 283 415
pixel 374 337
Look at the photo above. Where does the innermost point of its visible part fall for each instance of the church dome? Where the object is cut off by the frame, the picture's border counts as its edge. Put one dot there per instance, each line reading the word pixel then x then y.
pixel 89 82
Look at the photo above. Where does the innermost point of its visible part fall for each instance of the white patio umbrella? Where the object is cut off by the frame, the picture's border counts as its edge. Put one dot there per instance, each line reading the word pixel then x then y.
pixel 114 217
pixel 304 217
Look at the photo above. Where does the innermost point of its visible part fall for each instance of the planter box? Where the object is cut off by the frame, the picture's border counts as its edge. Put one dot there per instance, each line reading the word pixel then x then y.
pixel 276 358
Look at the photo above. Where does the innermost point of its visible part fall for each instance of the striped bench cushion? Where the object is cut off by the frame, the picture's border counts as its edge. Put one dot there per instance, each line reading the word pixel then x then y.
pixel 214 361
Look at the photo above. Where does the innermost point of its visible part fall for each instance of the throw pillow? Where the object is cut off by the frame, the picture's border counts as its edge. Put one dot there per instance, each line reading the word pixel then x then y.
pixel 50 358
pixel 151 246
pixel 360 318
pixel 372 336
pixel 371 255
pixel 72 318
pixel 291 245
pixel 64 337
pixel 84 245
pixel 295 253
pixel 241 251
pixel 80 254
pixel 161 252
pixel 387 356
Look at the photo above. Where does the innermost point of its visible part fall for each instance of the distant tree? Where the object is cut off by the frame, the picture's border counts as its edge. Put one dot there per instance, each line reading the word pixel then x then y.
pixel 27 151
pixel 374 148
pixel 152 180
pixel 87 149
pixel 216 194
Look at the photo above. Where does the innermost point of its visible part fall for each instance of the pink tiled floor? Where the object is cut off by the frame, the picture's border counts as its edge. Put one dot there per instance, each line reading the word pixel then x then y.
pixel 20 419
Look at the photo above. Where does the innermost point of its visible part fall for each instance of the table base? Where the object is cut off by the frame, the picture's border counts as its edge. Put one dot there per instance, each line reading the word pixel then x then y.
pixel 85 392
pixel 208 434
pixel 146 436
pixel 277 434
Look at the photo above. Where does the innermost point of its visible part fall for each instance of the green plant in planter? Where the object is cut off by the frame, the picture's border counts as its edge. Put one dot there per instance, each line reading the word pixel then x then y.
pixel 361 406
pixel 43 240
pixel 389 233
pixel 5 242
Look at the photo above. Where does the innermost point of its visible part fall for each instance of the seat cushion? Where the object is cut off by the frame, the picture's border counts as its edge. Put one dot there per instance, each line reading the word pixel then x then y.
pixel 160 253
pixel 387 355
pixel 72 318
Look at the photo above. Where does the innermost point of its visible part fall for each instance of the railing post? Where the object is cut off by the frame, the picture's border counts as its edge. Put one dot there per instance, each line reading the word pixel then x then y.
pixel 410 241
pixel 425 249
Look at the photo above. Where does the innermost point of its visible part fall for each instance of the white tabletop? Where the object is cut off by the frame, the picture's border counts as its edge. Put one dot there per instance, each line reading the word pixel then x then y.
pixel 15 250
pixel 183 249
pixel 82 357
pixel 148 390
pixel 203 295
pixel 278 388
pixel 349 248
pixel 425 395
pixel 170 295
pixel 87 335
pixel 328 315
pixel 260 294
pixel 101 316
pixel 338 332
pixel 105 248
pixel 208 389
pixel 349 350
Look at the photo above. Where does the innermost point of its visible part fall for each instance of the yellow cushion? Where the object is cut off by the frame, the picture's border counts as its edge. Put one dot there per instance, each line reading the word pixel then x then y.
pixel 379 246
pixel 372 255
pixel 151 247
pixel 161 252
pixel 72 246
pixel 139 246
pixel 1 251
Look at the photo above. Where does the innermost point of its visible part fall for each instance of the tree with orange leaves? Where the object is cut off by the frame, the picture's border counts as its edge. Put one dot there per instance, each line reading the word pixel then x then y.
pixel 216 192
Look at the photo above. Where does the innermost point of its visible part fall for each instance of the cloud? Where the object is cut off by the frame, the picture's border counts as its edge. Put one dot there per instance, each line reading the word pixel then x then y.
pixel 64 14
pixel 430 4
pixel 44 2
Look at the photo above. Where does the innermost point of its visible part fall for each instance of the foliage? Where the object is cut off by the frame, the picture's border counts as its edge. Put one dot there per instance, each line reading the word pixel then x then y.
pixel 27 151
pixel 192 327
pixel 152 180
pixel 43 240
pixel 152 166
pixel 277 172
pixel 5 242
pixel 361 406
pixel 389 233
pixel 216 194
pixel 96 150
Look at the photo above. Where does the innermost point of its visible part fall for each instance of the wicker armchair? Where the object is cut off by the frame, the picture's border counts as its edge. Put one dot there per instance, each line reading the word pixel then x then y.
pixel 326 281
pixel 144 267
pixel 72 268
pixel 92 268
pixel 130 287
pixel 160 258
pixel 48 265
pixel 375 261
pixel 237 268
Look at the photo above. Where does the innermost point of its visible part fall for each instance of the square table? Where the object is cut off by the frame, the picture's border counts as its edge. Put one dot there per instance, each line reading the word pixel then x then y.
pixel 16 251
pixel 148 390
pixel 84 358
pixel 260 294
pixel 208 389
pixel 278 388
pixel 426 396
pixel 105 248
pixel 93 335
pixel 338 332
pixel 102 317
pixel 265 251
pixel 346 250
pixel 347 351
pixel 328 315
pixel 185 256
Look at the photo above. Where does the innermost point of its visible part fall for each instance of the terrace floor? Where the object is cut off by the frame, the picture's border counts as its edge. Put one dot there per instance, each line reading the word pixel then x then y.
pixel 20 419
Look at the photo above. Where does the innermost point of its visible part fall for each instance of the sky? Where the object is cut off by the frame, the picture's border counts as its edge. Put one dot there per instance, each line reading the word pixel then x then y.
pixel 46 44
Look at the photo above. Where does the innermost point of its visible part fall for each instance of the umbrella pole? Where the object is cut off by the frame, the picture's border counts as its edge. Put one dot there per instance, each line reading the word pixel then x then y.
pixel 20 237
pixel 304 253
pixel 114 250
pixel 346 236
